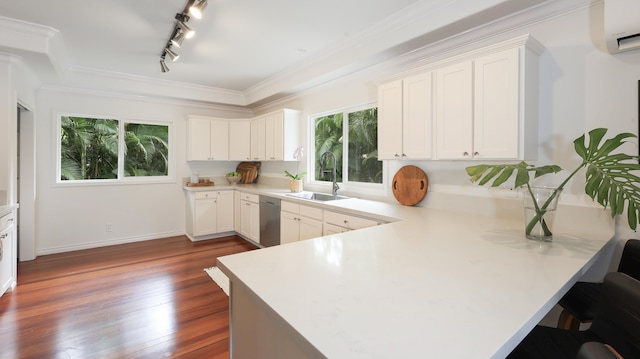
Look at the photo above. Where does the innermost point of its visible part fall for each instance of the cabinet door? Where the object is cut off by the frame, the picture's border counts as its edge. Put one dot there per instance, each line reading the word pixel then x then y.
pixel 496 97
pixel 199 139
pixel 254 227
pixel 454 111
pixel 240 140
pixel 310 228
pixel 7 254
pixel 329 229
pixel 225 211
pixel 274 136
pixel 237 216
pixel 205 221
pixel 417 114
pixel 258 139
pixel 245 215
pixel 250 222
pixel 219 140
pixel 390 121
pixel 289 227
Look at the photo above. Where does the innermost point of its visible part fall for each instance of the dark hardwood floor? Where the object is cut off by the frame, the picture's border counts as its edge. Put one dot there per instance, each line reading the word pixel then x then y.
pixel 149 299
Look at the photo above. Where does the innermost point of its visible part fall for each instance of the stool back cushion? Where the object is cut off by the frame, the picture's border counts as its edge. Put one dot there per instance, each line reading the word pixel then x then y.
pixel 630 261
pixel 617 321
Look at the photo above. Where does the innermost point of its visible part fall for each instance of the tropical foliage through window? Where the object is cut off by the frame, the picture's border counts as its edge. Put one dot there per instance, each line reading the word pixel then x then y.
pixel 89 149
pixel 357 144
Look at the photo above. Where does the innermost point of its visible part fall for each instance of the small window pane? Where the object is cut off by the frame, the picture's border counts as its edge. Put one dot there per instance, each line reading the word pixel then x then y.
pixel 363 147
pixel 147 150
pixel 89 148
pixel 328 133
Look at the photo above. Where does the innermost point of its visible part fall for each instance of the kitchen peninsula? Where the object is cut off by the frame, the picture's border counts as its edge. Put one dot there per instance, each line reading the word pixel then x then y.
pixel 436 284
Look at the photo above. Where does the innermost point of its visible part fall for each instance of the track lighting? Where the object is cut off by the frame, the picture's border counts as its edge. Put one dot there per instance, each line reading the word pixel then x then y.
pixel 172 54
pixel 188 32
pixel 177 38
pixel 197 8
pixel 181 31
pixel 163 66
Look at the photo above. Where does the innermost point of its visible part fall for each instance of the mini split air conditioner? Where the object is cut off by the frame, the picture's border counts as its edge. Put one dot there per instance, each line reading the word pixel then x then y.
pixel 622 25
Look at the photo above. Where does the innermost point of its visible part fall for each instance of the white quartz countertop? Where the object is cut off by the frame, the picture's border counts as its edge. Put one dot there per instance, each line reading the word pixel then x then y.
pixel 434 284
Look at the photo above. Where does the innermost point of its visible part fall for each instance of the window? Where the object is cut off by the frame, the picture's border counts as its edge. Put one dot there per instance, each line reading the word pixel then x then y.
pixel 93 149
pixel 354 144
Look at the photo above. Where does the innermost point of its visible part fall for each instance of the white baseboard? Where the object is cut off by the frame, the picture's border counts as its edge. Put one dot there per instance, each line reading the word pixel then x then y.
pixel 111 242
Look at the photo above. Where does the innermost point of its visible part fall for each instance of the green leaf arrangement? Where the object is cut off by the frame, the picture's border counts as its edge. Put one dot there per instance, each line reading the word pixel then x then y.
pixel 610 179
pixel 297 176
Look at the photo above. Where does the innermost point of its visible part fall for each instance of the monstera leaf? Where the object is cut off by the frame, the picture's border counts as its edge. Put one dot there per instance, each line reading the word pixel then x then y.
pixel 610 177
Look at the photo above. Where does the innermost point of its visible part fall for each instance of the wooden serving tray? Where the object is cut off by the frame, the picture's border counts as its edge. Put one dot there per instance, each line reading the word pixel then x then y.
pixel 202 183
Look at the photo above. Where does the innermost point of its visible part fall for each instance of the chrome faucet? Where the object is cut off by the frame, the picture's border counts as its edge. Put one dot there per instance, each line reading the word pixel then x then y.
pixel 333 173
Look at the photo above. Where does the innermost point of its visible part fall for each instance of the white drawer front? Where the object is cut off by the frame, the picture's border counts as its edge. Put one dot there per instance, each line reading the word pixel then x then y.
pixel 6 221
pixel 311 212
pixel 249 197
pixel 348 221
pixel 205 195
pixel 290 207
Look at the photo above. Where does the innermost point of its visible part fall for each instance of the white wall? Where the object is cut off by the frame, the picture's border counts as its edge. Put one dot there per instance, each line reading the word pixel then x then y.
pixel 75 217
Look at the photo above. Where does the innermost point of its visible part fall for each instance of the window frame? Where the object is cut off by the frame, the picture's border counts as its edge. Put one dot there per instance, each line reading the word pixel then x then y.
pixel 121 178
pixel 348 185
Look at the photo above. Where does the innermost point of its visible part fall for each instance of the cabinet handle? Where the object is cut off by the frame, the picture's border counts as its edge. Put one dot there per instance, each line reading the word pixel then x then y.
pixel 396 155
pixel 465 153
pixel 345 221
pixel 4 236
pixel 10 220
pixel 403 155
pixel 475 154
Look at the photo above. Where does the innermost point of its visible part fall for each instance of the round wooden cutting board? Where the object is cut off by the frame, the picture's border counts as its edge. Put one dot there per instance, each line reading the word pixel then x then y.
pixel 409 185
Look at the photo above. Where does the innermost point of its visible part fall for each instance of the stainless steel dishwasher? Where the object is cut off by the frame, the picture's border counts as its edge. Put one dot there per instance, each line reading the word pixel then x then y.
pixel 269 221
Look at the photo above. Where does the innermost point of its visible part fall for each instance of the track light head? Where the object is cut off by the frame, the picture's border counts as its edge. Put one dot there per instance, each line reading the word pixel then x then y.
pixel 188 32
pixel 172 54
pixel 197 8
pixel 177 38
pixel 163 66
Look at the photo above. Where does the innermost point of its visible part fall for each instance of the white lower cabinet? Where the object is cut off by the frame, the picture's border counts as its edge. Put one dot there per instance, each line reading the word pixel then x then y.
pixel 336 222
pixel 250 216
pixel 209 213
pixel 299 222
pixel 8 253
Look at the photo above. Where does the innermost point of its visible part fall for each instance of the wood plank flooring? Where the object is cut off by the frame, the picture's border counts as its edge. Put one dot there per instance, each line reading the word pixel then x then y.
pixel 148 299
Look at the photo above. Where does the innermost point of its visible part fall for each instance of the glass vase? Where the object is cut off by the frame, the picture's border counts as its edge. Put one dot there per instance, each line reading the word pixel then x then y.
pixel 540 204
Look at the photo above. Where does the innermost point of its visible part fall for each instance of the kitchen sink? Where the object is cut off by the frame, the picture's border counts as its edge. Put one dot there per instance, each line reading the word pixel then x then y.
pixel 316 196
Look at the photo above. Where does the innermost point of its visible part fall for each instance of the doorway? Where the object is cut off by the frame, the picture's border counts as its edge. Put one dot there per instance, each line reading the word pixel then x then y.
pixel 25 183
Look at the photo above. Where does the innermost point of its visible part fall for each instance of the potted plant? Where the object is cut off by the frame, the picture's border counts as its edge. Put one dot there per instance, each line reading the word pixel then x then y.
pixel 295 184
pixel 610 180
pixel 233 177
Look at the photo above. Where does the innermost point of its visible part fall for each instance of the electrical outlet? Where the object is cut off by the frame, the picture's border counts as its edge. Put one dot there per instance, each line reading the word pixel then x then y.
pixel 109 227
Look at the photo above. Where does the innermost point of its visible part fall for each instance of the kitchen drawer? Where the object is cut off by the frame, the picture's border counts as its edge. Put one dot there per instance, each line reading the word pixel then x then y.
pixel 249 197
pixel 6 221
pixel 290 207
pixel 206 195
pixel 311 212
pixel 348 221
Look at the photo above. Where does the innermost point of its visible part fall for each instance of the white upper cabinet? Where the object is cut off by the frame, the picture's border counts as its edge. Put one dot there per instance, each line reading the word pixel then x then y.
pixel 240 140
pixel 208 139
pixel 405 118
pixel 455 111
pixel 281 135
pixel 495 105
pixel 486 107
pixel 258 139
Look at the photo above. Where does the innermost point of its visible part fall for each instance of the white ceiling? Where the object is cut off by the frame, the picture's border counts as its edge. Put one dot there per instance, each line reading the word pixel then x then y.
pixel 257 48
